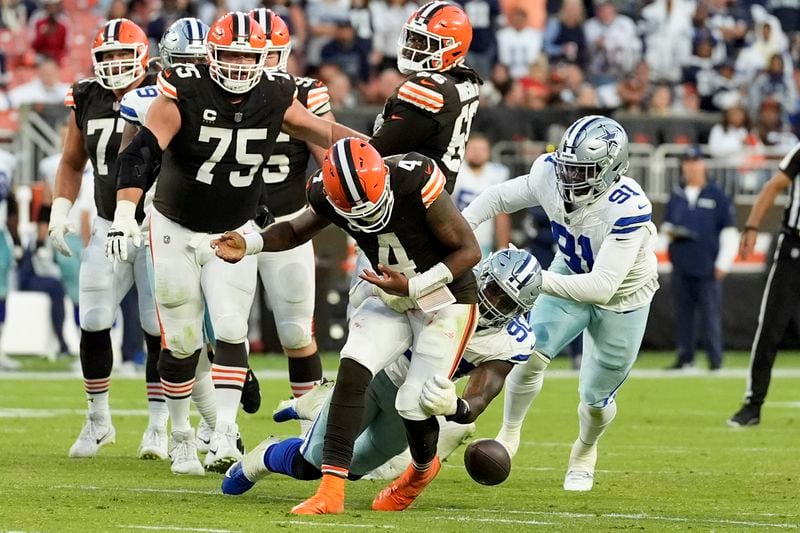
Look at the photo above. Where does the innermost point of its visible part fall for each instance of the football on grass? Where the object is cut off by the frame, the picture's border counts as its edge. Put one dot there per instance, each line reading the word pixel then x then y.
pixel 487 461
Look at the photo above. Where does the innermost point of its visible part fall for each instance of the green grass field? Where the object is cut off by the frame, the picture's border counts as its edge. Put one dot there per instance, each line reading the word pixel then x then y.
pixel 668 463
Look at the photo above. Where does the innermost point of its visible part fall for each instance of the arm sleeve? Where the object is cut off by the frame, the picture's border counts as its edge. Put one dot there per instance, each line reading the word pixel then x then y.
pixel 616 258
pixel 506 197
pixel 728 246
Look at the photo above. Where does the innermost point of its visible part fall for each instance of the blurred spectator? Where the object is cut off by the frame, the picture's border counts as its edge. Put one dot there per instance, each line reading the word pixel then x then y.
pixel 768 40
pixel 483 14
pixel 389 17
pixel 571 82
pixel 630 93
pixel 118 9
pixel 291 11
pixel 613 43
pixel 770 130
pixel 139 12
pixel 535 11
pixel 564 39
pixel 49 31
pixel 700 222
pixel 46 88
pixel 171 10
pixel 731 21
pixel 728 139
pixel 667 34
pixel 340 89
pixel 345 52
pixel 706 53
pixel 537 84
pixel 495 87
pixel 787 12
pixel 388 81
pixel 361 20
pixel 687 100
pixel 478 174
pixel 322 17
pixel 660 104
pixel 720 88
pixel 12 15
pixel 5 77
pixel 518 45
pixel 774 83
pixel 587 97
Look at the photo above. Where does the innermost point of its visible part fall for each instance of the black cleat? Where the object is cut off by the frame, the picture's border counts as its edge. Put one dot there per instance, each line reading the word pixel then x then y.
pixel 748 415
pixel 251 393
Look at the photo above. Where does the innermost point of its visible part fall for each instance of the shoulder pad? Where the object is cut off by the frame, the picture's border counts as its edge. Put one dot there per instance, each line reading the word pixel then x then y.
pixel 420 173
pixel 76 90
pixel 424 90
pixel 313 94
pixel 628 206
pixel 165 85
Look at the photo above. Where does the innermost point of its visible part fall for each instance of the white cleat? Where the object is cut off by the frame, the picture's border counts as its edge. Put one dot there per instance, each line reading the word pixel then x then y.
pixel 184 454
pixel 578 481
pixel 204 433
pixel 97 431
pixel 392 468
pixel 223 452
pixel 253 463
pixel 6 363
pixel 451 436
pixel 580 472
pixel 509 439
pixel 154 444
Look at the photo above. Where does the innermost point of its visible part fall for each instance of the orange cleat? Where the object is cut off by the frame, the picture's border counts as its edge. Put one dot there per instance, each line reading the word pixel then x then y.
pixel 404 490
pixel 329 498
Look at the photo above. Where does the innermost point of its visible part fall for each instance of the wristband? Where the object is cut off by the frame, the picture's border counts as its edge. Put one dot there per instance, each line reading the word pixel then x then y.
pixel 430 280
pixel 751 228
pixel 462 412
pixel 253 243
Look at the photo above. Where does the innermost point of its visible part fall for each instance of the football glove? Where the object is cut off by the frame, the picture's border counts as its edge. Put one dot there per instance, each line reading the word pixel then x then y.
pixel 439 397
pixel 60 225
pixel 123 227
pixel 399 304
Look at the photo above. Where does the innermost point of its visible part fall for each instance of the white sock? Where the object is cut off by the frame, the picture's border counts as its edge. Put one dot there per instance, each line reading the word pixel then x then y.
pixel 227 407
pixel 158 413
pixel 98 403
pixel 203 396
pixel 179 413
pixel 523 384
pixel 594 421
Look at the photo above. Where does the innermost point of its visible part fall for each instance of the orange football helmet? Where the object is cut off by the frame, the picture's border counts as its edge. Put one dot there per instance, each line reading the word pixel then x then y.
pixel 236 32
pixel 435 38
pixel 120 35
pixel 278 38
pixel 356 183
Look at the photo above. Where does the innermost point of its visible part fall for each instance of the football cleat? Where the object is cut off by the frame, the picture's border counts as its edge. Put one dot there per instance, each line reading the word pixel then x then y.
pixel 580 472
pixel 748 415
pixel 242 475
pixel 204 433
pixel 329 498
pixel 251 393
pixel 404 490
pixel 6 363
pixel 97 431
pixel 223 450
pixel 307 406
pixel 154 444
pixel 184 454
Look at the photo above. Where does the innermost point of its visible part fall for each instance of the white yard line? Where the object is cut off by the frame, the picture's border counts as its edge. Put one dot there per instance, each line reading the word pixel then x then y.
pixel 494 520
pixel 22 412
pixel 332 524
pixel 632 472
pixel 175 528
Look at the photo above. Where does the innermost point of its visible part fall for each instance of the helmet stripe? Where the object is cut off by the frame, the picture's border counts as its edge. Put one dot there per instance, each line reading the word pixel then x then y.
pixel 344 163
pixel 190 28
pixel 430 10
pixel 267 24
pixel 578 127
pixel 112 30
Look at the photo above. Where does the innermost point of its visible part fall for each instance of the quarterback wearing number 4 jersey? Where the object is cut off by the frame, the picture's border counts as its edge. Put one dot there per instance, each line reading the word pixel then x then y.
pixel 601 282
pixel 210 130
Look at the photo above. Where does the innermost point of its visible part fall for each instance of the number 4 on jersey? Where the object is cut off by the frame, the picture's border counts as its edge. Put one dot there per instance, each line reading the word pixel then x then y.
pixel 392 254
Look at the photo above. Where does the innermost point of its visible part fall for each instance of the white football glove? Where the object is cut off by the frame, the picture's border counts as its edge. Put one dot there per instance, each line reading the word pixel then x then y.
pixel 399 304
pixel 60 225
pixel 376 126
pixel 438 397
pixel 124 226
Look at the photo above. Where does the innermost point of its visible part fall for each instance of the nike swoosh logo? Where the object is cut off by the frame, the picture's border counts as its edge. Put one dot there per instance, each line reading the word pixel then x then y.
pixel 395 117
pixel 642 206
pixel 426 82
pixel 213 451
pixel 204 441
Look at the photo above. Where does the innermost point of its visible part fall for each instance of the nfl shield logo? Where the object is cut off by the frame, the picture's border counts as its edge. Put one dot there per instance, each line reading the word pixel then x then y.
pixel 237 117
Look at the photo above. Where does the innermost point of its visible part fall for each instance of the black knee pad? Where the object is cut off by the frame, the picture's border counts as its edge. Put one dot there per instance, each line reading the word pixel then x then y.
pixel 175 370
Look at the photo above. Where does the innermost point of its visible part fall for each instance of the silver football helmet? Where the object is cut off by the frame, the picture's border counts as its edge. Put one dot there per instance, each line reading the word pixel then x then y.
pixel 184 42
pixel 509 281
pixel 592 155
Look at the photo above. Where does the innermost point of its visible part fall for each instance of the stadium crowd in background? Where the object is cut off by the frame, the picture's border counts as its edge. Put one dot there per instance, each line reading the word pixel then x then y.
pixel 665 57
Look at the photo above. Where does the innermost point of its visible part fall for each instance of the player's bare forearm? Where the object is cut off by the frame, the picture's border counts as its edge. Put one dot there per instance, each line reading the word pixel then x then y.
pixel 485 383
pixel 294 232
pixel 73 160
pixel 766 198
pixel 454 232
pixel 163 120
pixel 131 194
pixel 128 133
pixel 318 152
pixel 301 123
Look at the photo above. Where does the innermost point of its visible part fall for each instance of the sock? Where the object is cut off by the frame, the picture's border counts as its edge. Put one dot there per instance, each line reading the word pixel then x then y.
pixel 422 436
pixel 345 417
pixel 304 373
pixel 177 378
pixel 302 469
pixel 97 359
pixel 228 371
pixel 280 457
pixel 523 384
pixel 156 404
pixel 594 421
pixel 203 395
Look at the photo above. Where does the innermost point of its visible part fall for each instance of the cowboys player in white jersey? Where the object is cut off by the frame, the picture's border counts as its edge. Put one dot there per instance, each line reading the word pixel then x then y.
pixel 601 282
pixel 182 42
pixel 508 285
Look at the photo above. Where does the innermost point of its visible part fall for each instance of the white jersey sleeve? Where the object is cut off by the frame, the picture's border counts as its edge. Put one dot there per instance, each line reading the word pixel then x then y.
pixel 135 104
pixel 508 197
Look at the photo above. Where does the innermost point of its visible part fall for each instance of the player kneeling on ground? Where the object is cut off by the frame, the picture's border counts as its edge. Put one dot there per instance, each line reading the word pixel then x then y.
pixel 508 284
